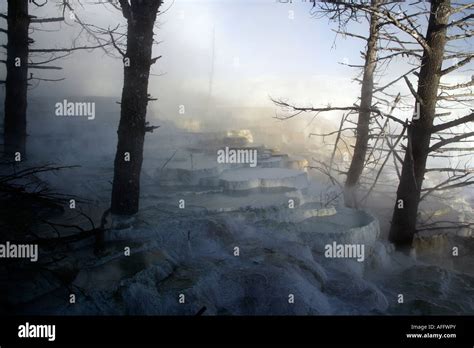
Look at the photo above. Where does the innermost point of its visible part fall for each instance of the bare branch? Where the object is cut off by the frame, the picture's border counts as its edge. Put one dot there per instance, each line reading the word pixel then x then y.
pixel 47 20
pixel 396 80
pixel 122 53
pixel 461 21
pixel 39 5
pixel 456 66
pixel 153 60
pixel 454 123
pixel 454 170
pixel 344 33
pixel 299 110
pixel 413 92
pixel 466 35
pixel 52 50
pixel 449 141
pixel 458 86
pixel 44 67
pixel 455 10
pixel 454 96
pixel 443 187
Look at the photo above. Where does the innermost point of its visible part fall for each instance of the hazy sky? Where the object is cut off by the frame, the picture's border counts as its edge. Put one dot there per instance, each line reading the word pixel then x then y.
pixel 262 48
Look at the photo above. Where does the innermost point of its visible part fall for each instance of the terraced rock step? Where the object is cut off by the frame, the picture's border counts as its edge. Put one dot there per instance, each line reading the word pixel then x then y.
pixel 253 178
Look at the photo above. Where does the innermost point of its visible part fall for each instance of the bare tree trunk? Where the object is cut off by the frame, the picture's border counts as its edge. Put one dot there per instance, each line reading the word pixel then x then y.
pixel 404 218
pixel 141 16
pixel 17 78
pixel 362 136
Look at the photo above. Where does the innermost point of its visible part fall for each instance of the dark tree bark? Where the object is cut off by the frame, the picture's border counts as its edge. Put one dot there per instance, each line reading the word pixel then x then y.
pixel 363 123
pixel 404 218
pixel 141 16
pixel 17 78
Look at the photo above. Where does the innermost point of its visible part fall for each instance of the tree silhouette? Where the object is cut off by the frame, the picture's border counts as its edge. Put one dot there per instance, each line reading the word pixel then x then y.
pixel 21 58
pixel 140 16
pixel 422 130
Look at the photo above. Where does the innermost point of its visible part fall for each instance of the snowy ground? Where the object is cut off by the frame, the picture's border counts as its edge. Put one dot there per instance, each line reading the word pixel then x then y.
pixel 248 241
